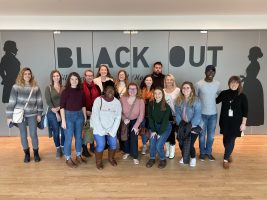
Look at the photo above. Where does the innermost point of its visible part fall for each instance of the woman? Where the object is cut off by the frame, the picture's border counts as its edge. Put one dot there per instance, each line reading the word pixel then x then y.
pixel 26 91
pixel 102 76
pixel 105 120
pixel 147 90
pixel 73 114
pixel 158 115
pixel 121 82
pixel 233 117
pixel 133 110
pixel 171 93
pixel 188 112
pixel 52 96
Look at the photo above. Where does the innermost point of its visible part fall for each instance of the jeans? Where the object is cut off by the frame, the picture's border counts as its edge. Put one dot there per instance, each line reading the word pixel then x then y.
pixel 74 123
pixel 57 130
pixel 187 147
pixel 32 123
pixel 157 144
pixel 229 144
pixel 209 126
pixel 131 145
pixel 101 142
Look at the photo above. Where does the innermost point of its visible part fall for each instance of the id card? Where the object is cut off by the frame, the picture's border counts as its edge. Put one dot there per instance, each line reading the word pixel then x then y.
pixel 230 113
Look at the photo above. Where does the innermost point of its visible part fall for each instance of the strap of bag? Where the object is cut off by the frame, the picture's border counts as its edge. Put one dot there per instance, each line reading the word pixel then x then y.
pixel 131 109
pixel 28 99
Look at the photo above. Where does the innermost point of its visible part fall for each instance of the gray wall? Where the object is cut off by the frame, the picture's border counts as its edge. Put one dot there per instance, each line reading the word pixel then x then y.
pixel 183 53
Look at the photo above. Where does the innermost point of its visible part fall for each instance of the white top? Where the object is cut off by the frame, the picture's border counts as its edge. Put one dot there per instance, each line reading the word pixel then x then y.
pixel 121 89
pixel 105 118
pixel 171 98
pixel 207 93
pixel 98 82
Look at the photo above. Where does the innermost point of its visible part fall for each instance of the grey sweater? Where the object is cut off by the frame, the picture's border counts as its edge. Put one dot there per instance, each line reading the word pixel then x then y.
pixel 18 98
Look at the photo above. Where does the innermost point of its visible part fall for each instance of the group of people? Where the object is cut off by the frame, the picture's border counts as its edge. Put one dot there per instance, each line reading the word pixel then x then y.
pixel 119 111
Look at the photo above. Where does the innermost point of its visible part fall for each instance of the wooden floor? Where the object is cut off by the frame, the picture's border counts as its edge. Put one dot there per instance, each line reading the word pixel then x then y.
pixel 52 179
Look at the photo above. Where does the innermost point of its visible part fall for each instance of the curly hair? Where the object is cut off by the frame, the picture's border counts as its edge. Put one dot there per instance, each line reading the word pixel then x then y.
pixel 192 96
pixel 20 78
pixel 68 85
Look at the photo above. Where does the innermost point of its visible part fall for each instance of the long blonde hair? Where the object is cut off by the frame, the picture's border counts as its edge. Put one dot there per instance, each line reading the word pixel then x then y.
pixel 192 96
pixel 173 78
pixel 20 80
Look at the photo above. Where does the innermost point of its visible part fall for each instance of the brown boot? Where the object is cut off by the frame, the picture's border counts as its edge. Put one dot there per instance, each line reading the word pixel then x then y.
pixel 80 159
pixel 230 159
pixel 98 160
pixel 70 163
pixel 111 155
pixel 226 165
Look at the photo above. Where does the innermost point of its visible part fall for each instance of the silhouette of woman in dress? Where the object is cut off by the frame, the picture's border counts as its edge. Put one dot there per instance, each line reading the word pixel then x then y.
pixel 253 89
pixel 9 69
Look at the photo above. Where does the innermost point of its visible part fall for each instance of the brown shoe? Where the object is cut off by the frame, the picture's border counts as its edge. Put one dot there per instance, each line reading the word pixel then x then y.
pixel 70 163
pixel 80 159
pixel 111 155
pixel 226 165
pixel 230 160
pixel 162 164
pixel 150 163
pixel 98 160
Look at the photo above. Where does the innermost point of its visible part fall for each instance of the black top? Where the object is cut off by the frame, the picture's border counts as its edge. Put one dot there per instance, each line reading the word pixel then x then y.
pixel 158 80
pixel 239 104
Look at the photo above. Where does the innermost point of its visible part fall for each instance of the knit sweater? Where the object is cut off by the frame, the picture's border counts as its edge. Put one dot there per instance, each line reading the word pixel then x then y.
pixel 106 116
pixel 18 99
pixel 156 116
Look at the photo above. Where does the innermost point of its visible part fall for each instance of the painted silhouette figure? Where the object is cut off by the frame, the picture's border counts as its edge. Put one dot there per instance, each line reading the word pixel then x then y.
pixel 9 68
pixel 253 89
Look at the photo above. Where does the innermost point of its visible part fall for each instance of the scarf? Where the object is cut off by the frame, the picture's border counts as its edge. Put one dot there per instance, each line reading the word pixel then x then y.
pixel 91 93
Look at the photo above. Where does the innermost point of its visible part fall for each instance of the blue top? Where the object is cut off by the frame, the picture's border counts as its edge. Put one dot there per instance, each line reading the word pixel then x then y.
pixel 193 113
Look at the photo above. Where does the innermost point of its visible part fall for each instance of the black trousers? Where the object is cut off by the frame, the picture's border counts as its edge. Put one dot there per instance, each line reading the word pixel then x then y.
pixel 171 138
pixel 229 144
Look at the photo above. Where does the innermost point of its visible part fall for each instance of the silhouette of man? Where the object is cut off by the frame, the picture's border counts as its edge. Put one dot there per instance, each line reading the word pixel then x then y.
pixel 9 68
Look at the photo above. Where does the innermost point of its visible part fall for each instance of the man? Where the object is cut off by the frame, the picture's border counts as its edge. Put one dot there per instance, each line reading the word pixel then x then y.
pixel 207 90
pixel 91 92
pixel 157 76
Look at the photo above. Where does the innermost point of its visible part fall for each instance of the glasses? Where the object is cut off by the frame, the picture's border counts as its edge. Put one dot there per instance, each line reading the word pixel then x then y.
pixel 132 89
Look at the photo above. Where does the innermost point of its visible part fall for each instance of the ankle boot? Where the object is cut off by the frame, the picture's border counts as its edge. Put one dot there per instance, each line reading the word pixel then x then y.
pixel 92 148
pixel 85 151
pixel 98 160
pixel 27 157
pixel 167 145
pixel 36 155
pixel 172 151
pixel 111 155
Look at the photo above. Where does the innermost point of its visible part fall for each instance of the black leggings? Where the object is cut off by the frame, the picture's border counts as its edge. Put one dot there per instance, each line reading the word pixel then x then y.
pixel 171 138
pixel 229 144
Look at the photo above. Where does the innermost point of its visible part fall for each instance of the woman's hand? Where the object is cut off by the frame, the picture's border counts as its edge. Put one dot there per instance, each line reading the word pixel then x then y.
pixel 243 127
pixel 126 121
pixel 63 124
pixel 136 131
pixel 38 118
pixel 8 121
pixel 153 134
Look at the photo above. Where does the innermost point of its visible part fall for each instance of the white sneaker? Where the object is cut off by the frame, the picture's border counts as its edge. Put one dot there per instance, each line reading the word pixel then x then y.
pixel 193 162
pixel 181 161
pixel 167 146
pixel 125 156
pixel 143 150
pixel 172 151
pixel 136 161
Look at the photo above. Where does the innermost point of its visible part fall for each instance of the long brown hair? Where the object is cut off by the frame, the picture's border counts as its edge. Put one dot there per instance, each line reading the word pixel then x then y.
pixel 238 80
pixel 20 80
pixel 108 72
pixel 117 81
pixel 192 96
pixel 163 100
pixel 138 94
pixel 51 77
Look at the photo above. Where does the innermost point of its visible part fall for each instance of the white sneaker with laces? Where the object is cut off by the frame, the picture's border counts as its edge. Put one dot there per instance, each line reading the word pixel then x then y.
pixel 181 161
pixel 125 156
pixel 143 150
pixel 193 162
pixel 136 161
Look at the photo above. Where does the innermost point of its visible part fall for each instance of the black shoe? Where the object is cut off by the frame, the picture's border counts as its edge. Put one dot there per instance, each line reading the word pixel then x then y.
pixel 211 158
pixel 36 155
pixel 150 163
pixel 202 157
pixel 162 164
pixel 27 157
pixel 85 151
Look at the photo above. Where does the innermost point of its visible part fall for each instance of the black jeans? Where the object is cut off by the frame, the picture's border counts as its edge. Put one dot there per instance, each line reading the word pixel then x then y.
pixel 171 138
pixel 229 144
pixel 131 145
pixel 187 147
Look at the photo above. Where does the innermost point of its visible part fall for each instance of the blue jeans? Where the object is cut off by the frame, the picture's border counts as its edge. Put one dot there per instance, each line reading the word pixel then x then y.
pixel 32 123
pixel 157 145
pixel 209 126
pixel 101 142
pixel 56 128
pixel 74 123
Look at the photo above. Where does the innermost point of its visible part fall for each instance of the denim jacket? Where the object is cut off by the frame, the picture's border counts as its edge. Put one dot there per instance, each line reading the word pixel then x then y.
pixel 193 113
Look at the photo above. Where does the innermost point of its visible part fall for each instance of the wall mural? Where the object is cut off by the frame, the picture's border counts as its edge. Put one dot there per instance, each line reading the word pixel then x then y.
pixel 253 89
pixel 182 54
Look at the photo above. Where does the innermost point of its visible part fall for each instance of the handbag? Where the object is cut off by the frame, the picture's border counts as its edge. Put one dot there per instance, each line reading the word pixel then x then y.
pixel 18 113
pixel 44 121
pixel 183 130
pixel 124 128
pixel 88 136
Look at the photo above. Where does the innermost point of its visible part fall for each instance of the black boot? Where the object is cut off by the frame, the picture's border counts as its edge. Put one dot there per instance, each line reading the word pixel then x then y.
pixel 85 152
pixel 36 155
pixel 92 148
pixel 27 157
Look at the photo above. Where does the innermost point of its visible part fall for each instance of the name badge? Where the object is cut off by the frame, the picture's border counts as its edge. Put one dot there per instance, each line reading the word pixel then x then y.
pixel 230 113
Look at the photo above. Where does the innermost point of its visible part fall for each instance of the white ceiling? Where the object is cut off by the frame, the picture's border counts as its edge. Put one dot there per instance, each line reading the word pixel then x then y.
pixel 131 8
